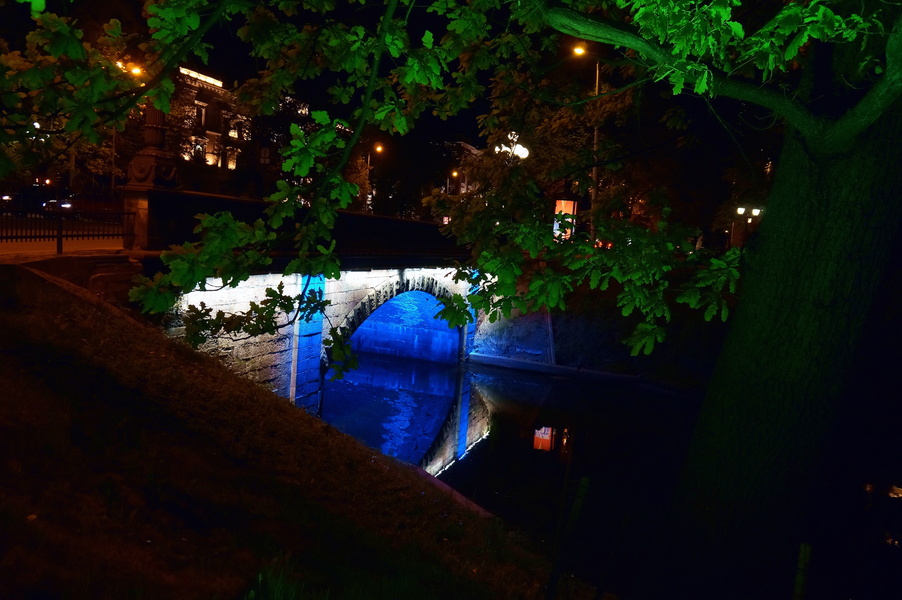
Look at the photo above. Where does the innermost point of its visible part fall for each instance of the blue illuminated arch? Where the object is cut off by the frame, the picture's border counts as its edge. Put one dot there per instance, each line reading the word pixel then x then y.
pixel 379 296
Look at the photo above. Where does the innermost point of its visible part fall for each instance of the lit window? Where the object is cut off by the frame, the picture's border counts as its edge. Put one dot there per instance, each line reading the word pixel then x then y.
pixel 543 439
pixel 196 148
pixel 567 210
pixel 200 114
pixel 233 159
pixel 212 155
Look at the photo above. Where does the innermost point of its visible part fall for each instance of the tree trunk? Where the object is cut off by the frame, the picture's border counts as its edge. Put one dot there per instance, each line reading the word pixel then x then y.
pixel 811 270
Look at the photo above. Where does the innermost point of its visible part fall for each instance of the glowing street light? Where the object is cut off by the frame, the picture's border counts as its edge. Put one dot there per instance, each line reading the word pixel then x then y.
pixel 378 149
pixel 458 183
pixel 369 201
pixel 750 220
pixel 581 51
pixel 136 71
pixel 514 149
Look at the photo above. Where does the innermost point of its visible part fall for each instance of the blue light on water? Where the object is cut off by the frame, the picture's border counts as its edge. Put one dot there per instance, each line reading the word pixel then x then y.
pixel 407 382
pixel 393 404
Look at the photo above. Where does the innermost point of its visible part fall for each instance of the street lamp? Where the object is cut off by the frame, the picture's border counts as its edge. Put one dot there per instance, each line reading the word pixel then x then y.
pixel 514 149
pixel 580 51
pixel 378 150
pixel 136 71
pixel 458 183
pixel 448 182
pixel 750 220
pixel 369 201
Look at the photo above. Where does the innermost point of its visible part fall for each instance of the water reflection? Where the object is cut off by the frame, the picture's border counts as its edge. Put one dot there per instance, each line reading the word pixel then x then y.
pixel 580 466
pixel 584 468
pixel 416 411
pixel 572 463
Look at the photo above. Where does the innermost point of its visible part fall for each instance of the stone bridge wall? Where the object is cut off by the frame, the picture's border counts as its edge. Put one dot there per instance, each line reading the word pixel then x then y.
pixel 288 362
pixel 291 362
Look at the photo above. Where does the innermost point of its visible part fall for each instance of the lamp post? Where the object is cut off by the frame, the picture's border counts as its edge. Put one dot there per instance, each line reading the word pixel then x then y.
pixel 369 202
pixel 136 72
pixel 378 149
pixel 515 149
pixel 750 218
pixel 454 174
pixel 580 51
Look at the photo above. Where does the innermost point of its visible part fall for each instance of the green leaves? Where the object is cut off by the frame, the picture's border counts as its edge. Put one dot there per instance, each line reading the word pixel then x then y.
pixel 391 73
pixel 712 284
pixel 644 338
pixel 70 86
pixel 37 6
pixel 307 147
pixel 456 310
pixel 700 35
pixel 342 358
pixel 173 21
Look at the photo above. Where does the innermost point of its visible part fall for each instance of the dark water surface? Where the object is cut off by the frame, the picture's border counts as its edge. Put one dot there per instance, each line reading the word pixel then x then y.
pixel 576 465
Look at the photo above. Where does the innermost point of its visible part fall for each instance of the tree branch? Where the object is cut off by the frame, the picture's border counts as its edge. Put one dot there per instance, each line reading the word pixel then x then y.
pixel 591 27
pixel 597 29
pixel 878 99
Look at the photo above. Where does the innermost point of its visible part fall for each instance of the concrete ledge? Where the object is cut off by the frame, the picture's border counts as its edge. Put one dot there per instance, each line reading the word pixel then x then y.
pixel 543 367
pixel 502 362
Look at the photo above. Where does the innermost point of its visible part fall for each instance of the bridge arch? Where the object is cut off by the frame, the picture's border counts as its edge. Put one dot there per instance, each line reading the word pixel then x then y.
pixel 349 316
pixel 388 290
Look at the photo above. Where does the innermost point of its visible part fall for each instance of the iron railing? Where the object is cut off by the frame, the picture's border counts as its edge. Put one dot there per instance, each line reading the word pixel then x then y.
pixel 61 225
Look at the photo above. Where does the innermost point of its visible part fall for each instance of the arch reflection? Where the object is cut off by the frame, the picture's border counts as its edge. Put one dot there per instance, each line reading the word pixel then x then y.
pixel 410 396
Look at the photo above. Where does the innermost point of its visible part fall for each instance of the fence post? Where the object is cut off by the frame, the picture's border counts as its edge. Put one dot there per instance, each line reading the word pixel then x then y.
pixel 59 232
pixel 128 230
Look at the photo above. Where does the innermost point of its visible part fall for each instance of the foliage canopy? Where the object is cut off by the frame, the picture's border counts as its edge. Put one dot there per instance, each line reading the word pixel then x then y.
pixel 436 58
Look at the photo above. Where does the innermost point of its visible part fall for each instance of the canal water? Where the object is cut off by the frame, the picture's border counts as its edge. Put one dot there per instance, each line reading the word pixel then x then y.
pixel 575 465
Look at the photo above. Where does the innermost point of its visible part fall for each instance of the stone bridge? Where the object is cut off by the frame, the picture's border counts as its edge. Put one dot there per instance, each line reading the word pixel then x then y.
pixel 292 362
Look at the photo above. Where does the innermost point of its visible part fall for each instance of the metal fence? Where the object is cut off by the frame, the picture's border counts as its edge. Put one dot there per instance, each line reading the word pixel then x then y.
pixel 59 226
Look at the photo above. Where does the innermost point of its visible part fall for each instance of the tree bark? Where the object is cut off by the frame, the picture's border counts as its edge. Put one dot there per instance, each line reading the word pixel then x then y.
pixel 811 271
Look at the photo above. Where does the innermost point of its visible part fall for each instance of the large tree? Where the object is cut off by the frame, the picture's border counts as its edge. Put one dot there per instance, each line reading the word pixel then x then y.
pixel 828 71
pixel 810 275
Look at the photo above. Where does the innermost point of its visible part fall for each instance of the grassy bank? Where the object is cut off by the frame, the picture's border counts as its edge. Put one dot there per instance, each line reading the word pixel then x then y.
pixel 133 467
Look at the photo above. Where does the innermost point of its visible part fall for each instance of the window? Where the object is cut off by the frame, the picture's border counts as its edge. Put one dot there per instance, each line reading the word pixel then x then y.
pixel 200 114
pixel 212 155
pixel 196 148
